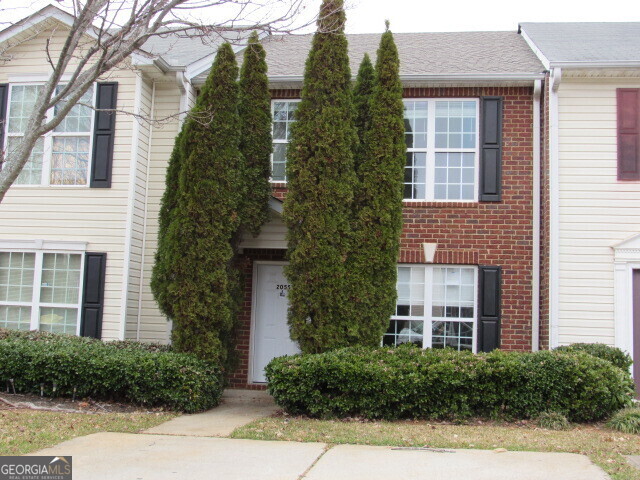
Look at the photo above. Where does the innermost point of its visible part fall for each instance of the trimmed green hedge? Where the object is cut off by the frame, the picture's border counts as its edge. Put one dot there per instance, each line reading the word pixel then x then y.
pixel 36 335
pixel 610 354
pixel 408 382
pixel 123 371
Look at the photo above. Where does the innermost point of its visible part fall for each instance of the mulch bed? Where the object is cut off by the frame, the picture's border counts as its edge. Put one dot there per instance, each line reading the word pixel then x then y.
pixel 10 401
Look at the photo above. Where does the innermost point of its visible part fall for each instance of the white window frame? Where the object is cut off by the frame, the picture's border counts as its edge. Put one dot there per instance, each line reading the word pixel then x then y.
pixel 280 141
pixel 75 248
pixel 431 150
pixel 45 178
pixel 427 317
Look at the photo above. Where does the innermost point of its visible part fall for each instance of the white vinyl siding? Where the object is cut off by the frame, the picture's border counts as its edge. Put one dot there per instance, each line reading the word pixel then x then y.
pixel 272 235
pixel 97 216
pixel 138 208
pixel 596 210
pixel 144 320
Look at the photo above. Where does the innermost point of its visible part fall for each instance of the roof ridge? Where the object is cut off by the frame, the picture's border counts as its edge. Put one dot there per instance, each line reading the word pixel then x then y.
pixel 287 35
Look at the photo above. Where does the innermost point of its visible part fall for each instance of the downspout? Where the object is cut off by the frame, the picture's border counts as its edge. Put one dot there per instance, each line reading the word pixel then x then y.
pixel 537 172
pixel 554 213
pixel 131 197
pixel 146 205
pixel 185 89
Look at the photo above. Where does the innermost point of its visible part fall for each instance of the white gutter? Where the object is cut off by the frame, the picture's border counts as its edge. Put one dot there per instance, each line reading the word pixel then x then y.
pixel 128 235
pixel 554 213
pixel 447 77
pixel 146 205
pixel 596 64
pixel 146 60
pixel 537 172
pixel 556 78
pixel 457 77
pixel 185 89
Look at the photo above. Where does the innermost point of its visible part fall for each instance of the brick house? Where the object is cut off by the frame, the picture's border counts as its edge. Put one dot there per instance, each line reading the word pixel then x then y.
pixel 77 247
pixel 466 273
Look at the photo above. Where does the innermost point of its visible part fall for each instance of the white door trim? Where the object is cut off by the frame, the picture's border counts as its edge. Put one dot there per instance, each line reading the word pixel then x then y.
pixel 254 298
pixel 626 259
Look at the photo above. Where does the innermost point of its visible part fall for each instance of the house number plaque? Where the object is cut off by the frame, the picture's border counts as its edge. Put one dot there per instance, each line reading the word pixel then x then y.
pixel 282 289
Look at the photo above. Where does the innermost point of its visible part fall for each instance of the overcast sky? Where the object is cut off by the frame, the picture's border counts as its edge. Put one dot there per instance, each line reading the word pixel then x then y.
pixel 442 16
pixel 467 15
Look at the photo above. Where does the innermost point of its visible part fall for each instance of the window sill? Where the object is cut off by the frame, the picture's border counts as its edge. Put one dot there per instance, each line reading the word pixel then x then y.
pixel 61 187
pixel 439 204
pixel 278 184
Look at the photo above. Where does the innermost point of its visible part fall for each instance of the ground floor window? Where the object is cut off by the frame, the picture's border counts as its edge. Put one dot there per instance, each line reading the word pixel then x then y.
pixel 40 291
pixel 436 307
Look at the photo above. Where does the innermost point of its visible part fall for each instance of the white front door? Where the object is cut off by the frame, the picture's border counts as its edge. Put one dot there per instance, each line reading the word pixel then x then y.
pixel 271 332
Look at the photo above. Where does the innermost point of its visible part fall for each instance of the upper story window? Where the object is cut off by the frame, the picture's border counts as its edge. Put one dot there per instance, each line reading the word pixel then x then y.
pixel 436 307
pixel 283 116
pixel 628 133
pixel 442 150
pixel 40 291
pixel 61 157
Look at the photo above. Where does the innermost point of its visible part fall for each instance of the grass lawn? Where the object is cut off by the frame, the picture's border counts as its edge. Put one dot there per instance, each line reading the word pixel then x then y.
pixel 24 431
pixel 603 446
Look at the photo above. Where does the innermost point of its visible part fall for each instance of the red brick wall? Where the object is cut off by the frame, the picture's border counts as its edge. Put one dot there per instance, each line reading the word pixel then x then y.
pixel 485 233
pixel 544 219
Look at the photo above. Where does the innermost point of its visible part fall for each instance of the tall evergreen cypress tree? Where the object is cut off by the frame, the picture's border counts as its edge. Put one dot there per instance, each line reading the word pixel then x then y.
pixel 255 140
pixel 160 277
pixel 199 238
pixel 378 205
pixel 321 178
pixel 361 98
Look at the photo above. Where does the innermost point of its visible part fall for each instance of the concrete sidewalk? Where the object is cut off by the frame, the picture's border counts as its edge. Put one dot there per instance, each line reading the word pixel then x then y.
pixel 126 456
pixel 237 408
pixel 184 448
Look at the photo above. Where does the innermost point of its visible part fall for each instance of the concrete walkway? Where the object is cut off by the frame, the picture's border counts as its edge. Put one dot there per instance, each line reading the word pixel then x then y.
pixel 184 448
pixel 237 408
pixel 128 456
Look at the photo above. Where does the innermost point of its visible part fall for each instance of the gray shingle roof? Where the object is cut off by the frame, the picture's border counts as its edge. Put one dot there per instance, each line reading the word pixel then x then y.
pixel 586 42
pixel 181 50
pixel 456 53
pixel 420 53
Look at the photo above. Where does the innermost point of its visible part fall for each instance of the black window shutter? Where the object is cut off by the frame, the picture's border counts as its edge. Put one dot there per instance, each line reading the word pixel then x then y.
pixel 491 149
pixel 93 294
pixel 489 308
pixel 4 94
pixel 103 134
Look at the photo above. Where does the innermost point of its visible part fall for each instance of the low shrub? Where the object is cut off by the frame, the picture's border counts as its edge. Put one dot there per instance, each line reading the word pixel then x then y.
pixel 407 382
pixel 38 336
pixel 552 421
pixel 122 371
pixel 626 420
pixel 614 355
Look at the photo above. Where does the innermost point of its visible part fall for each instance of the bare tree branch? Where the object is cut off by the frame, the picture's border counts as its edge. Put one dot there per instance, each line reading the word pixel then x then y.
pixel 103 36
